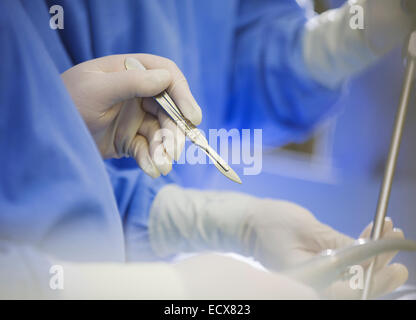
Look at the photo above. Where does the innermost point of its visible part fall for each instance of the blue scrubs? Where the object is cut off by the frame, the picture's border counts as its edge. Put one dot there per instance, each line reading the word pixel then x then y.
pixel 242 59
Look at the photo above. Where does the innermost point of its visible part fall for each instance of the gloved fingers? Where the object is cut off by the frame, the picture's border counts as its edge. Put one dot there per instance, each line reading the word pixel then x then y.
pixel 388 226
pixel 384 259
pixel 387 230
pixel 139 150
pixel 123 85
pixel 173 137
pixel 388 279
pixel 130 118
pixel 385 281
pixel 150 129
pixel 178 88
pixel 151 106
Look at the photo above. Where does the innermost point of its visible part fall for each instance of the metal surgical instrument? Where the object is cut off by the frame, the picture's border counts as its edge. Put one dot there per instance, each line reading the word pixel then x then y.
pixel 384 195
pixel 332 265
pixel 166 102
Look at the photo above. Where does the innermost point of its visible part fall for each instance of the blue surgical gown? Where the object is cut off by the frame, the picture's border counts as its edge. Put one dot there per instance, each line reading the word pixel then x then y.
pixel 243 61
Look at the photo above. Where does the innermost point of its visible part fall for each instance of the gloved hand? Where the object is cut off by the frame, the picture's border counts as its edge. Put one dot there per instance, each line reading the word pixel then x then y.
pixel 333 51
pixel 122 117
pixel 387 277
pixel 387 23
pixel 279 234
pixel 301 237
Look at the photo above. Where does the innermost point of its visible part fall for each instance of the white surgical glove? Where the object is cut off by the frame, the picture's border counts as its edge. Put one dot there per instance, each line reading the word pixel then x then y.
pixel 279 234
pixel 333 50
pixel 122 117
pixel 387 277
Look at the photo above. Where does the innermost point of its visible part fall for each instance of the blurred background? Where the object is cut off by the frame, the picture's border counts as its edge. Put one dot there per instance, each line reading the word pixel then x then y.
pixel 337 173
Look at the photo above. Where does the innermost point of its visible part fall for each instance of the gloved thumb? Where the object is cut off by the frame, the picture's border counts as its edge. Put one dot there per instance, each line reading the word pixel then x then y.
pixel 129 84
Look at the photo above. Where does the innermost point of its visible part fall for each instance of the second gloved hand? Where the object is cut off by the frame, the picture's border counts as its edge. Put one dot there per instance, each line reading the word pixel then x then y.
pixel 279 234
pixel 121 115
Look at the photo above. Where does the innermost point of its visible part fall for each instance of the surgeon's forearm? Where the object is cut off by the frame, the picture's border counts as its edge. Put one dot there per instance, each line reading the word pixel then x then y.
pixel 332 50
pixel 186 220
pixel 336 46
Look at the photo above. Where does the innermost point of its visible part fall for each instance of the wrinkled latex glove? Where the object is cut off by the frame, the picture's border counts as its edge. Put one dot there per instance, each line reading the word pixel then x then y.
pixel 122 117
pixel 283 235
pixel 279 234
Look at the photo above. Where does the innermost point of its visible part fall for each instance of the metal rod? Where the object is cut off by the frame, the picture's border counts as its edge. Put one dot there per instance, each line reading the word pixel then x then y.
pixel 384 195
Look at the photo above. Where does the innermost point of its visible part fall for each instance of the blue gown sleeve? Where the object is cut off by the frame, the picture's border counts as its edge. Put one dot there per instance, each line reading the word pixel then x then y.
pixel 107 191
pixel 54 190
pixel 270 85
